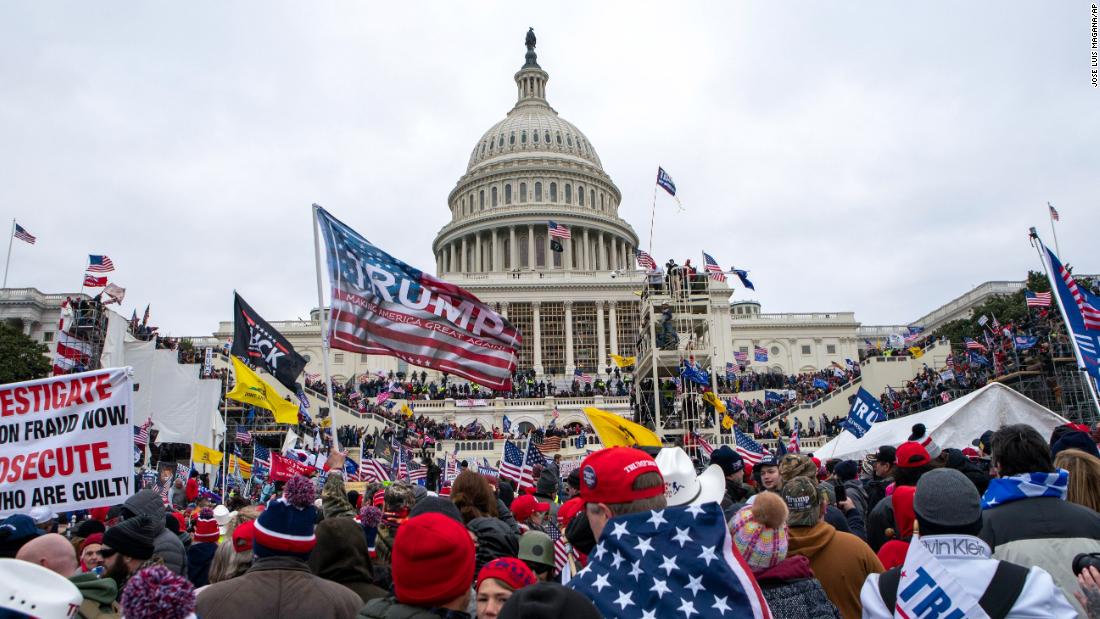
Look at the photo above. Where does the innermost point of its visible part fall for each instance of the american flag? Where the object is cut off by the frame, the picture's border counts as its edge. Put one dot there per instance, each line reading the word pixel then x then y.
pixel 750 450
pixel 646 261
pixel 557 230
pixel 1053 212
pixel 972 344
pixel 1090 314
pixel 450 470
pixel 416 471
pixel 1037 299
pixel 741 356
pixel 70 353
pixel 561 549
pixel 549 444
pixel 100 264
pixel 712 268
pixel 761 354
pixel 261 458
pixel 403 312
pixel 183 471
pixel 372 469
pixel 950 361
pixel 22 234
pixel 513 466
pixel 382 397
pixel 581 376
pixel 141 433
pixel 704 446
pixel 311 377
pixel 692 571
pixel 794 446
pixel 244 436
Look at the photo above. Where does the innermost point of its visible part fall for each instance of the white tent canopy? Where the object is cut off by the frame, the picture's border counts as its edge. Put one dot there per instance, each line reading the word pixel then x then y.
pixel 954 424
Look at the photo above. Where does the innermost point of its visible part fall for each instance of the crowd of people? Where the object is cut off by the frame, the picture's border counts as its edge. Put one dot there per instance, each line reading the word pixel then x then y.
pixel 1005 525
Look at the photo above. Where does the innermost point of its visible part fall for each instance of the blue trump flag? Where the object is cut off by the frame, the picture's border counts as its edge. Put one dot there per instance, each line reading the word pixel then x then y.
pixel 820 384
pixel 693 373
pixel 743 275
pixel 865 411
pixel 773 396
pixel 664 181
pixel 1082 313
pixel 1023 342
pixel 506 423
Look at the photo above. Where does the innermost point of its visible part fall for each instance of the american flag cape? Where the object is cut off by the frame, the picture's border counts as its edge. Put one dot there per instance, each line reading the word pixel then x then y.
pixel 382 306
pixel 676 562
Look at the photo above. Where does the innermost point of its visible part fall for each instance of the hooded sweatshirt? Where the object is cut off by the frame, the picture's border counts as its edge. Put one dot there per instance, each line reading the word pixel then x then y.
pixel 99 596
pixel 841 561
pixel 166 544
pixel 341 556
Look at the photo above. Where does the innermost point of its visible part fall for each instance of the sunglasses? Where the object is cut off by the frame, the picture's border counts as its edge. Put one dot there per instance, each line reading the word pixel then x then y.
pixel 107 552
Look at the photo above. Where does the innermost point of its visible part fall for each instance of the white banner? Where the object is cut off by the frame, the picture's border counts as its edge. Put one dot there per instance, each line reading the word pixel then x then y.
pixel 66 442
pixel 469 403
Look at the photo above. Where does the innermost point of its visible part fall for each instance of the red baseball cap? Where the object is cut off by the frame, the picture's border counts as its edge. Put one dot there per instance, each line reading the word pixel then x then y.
pixel 912 454
pixel 608 474
pixel 568 509
pixel 525 505
pixel 243 535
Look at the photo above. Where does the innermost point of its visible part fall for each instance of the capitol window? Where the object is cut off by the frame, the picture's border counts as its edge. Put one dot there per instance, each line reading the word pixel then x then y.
pixel 805 349
pixel 553 192
pixel 547 136
pixel 535 136
pixel 493 196
pixel 508 194
pixel 775 350
pixel 523 192
pixel 481 199
pixel 559 138
pixel 569 139
pixel 523 137
pixel 501 143
pixel 592 197
pixel 338 358
pixel 538 192
pixel 580 195
pixel 568 193
pixel 512 139
pixel 830 348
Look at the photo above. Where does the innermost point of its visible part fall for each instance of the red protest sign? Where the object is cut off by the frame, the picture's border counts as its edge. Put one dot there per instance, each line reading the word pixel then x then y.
pixel 282 468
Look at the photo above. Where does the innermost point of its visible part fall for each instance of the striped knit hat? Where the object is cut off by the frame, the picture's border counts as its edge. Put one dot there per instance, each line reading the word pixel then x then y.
pixel 760 531
pixel 286 526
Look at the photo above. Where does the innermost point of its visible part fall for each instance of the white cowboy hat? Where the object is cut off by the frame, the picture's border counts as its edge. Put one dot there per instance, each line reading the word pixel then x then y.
pixel 35 591
pixel 682 486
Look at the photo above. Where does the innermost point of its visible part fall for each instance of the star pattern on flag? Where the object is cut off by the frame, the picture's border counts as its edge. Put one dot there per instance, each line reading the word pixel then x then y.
pixel 691 571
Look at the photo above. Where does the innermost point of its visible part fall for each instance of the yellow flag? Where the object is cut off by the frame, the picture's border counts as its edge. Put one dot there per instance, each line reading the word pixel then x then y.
pixel 326 422
pixel 624 362
pixel 713 400
pixel 201 454
pixel 917 351
pixel 615 431
pixel 727 422
pixel 408 412
pixel 251 389
pixel 242 468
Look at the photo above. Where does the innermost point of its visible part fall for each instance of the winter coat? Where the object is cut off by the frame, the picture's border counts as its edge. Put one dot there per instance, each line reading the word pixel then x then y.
pixel 166 544
pixel 879 520
pixel 99 597
pixel 192 493
pixel 977 475
pixel 504 514
pixel 199 557
pixel 792 591
pixel 279 587
pixel 840 560
pixel 389 608
pixel 876 491
pixel 972 567
pixel 341 556
pixel 494 540
pixel 1046 532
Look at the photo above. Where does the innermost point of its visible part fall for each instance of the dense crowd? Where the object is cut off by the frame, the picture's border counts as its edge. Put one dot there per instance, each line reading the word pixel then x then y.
pixel 1004 525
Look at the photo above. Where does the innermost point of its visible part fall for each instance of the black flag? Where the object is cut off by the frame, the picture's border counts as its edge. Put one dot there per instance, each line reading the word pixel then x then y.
pixel 263 346
pixel 555 246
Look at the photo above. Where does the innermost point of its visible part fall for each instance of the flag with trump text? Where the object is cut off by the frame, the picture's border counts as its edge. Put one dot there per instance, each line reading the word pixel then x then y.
pixel 382 306
pixel 675 562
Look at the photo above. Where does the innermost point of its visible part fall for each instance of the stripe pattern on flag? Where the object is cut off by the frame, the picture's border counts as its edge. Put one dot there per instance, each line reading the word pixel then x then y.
pixel 1037 299
pixel 646 261
pixel 100 264
pixel 557 230
pixel 22 234
pixel 713 270
pixel 751 451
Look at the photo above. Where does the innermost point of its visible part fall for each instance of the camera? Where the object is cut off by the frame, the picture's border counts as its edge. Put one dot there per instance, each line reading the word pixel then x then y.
pixel 1081 561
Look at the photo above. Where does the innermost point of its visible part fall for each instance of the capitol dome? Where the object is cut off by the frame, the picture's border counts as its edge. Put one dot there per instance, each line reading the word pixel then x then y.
pixel 530 169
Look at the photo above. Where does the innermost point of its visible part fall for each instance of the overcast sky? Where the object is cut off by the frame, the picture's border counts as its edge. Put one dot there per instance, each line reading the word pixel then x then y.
pixel 875 157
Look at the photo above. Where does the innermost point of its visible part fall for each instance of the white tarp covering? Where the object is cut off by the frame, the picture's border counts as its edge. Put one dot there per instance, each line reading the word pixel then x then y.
pixel 184 408
pixel 114 345
pixel 954 424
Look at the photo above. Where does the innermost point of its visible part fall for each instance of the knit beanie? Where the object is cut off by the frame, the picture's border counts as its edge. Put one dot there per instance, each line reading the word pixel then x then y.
pixel 84 528
pixel 133 537
pixel 156 593
pixel 432 561
pixel 206 528
pixel 438 505
pixel 94 538
pixel 548 600
pixel 286 526
pixel 511 571
pixel 920 435
pixel 760 531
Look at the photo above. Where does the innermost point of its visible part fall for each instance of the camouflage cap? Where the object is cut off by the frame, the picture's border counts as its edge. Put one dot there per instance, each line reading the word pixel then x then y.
pixel 803 502
pixel 797 465
pixel 399 495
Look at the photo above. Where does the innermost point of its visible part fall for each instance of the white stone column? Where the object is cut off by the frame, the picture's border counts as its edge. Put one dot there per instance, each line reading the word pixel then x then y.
pixel 496 251
pixel 479 263
pixel 567 255
pixel 536 344
pixel 613 324
pixel 569 364
pixel 548 255
pixel 587 252
pixel 513 255
pixel 531 246
pixel 601 254
pixel 465 267
pixel 504 309
pixel 451 257
pixel 601 348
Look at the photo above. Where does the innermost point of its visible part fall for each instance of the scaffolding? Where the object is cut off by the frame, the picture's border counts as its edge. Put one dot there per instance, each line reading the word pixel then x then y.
pixel 80 344
pixel 1057 384
pixel 674 332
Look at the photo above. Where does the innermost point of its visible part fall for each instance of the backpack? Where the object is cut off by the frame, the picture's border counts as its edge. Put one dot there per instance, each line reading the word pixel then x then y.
pixel 997 600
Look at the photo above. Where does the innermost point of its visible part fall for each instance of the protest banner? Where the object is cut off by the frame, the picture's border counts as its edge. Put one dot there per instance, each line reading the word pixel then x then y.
pixel 283 468
pixel 66 442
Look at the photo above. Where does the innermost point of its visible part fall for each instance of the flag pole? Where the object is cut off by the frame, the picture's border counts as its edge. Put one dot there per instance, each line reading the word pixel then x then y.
pixel 1037 243
pixel 324 330
pixel 652 218
pixel 7 263
pixel 1053 231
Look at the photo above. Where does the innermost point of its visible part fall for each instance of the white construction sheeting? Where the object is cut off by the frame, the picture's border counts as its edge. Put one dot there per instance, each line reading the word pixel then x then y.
pixel 114 345
pixel 184 408
pixel 954 424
